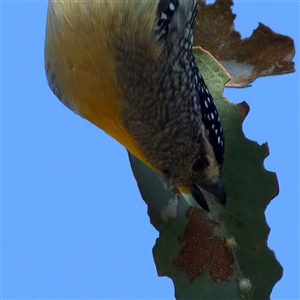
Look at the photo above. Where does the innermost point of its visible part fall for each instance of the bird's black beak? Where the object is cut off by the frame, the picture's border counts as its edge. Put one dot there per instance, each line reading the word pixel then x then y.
pixel 216 189
pixel 198 196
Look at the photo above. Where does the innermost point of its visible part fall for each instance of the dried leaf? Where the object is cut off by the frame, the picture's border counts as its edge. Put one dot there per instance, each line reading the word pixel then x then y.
pixel 264 53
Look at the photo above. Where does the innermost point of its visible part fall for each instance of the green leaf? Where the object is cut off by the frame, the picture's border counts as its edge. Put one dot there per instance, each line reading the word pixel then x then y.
pixel 222 254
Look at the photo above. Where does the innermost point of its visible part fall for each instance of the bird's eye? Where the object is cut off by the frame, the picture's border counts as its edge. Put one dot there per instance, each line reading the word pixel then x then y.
pixel 199 164
pixel 166 172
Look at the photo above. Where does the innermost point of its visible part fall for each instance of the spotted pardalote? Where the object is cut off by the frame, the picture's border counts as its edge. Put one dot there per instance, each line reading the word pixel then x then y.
pixel 128 67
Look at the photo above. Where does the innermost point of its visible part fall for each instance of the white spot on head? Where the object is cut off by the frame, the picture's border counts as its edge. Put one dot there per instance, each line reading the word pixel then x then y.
pixel 206 90
pixel 163 16
pixel 216 131
pixel 219 140
pixel 208 117
pixel 212 116
pixel 213 126
pixel 205 102
pixel 171 6
pixel 218 118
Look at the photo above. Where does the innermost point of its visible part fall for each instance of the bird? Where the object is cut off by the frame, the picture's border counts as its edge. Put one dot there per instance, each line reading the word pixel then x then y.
pixel 128 67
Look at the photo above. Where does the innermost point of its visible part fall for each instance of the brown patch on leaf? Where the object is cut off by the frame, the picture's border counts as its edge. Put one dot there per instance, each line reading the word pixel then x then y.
pixel 200 248
pixel 244 109
pixel 264 53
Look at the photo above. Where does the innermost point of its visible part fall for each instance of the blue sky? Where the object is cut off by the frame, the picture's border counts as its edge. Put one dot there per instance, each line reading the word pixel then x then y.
pixel 73 223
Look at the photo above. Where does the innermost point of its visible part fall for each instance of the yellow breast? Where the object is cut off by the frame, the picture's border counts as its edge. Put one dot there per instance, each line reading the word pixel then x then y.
pixel 77 55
